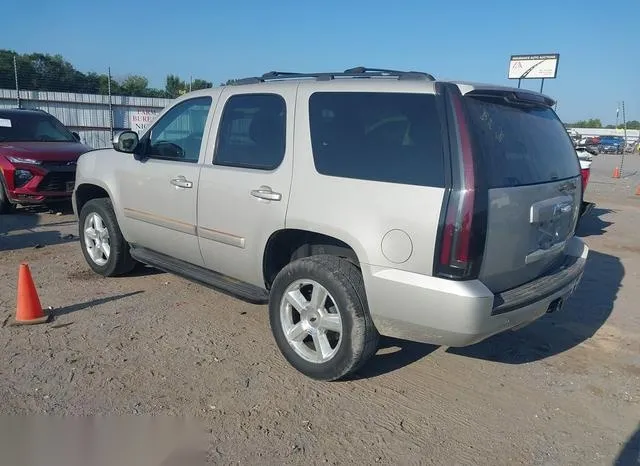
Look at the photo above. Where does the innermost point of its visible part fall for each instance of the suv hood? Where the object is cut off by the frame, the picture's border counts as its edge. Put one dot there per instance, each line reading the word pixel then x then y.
pixel 44 151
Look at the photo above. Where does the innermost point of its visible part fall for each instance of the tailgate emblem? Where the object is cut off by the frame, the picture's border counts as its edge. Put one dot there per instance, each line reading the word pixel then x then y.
pixel 561 209
pixel 549 233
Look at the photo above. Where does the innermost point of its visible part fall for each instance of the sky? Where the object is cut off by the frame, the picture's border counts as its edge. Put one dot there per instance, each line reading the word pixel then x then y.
pixel 598 42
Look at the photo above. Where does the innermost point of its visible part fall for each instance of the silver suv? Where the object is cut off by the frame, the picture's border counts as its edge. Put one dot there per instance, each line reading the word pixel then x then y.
pixel 356 203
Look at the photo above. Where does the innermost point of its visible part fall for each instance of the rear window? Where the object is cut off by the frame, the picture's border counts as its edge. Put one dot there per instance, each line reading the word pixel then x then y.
pixel 388 137
pixel 521 145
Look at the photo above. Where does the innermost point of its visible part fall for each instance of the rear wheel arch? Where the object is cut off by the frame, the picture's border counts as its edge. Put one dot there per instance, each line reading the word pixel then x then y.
pixel 285 246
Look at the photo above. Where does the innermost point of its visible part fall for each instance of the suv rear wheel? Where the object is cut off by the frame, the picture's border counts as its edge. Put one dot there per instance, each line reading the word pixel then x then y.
pixel 320 318
pixel 103 245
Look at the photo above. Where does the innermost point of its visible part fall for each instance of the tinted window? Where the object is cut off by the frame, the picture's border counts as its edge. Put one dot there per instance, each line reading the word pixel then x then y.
pixel 28 126
pixel 252 132
pixel 177 135
pixel 521 145
pixel 389 137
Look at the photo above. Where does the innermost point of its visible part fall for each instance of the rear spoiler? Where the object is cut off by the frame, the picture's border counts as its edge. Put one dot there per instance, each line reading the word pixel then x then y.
pixel 521 96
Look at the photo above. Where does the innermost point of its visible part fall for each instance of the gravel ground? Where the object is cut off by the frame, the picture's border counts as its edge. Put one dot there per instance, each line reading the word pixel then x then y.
pixel 565 390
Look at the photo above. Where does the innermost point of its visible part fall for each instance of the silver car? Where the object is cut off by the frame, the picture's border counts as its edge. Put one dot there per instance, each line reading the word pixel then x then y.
pixel 357 203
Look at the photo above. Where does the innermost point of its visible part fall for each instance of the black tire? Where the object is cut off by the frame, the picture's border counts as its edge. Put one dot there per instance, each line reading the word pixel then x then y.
pixel 5 205
pixel 343 280
pixel 120 261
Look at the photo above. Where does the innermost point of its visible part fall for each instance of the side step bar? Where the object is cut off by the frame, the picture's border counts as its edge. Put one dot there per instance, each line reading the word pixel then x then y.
pixel 244 291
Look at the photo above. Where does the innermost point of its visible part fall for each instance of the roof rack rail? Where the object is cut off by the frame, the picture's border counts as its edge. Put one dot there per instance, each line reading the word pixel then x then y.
pixel 357 72
pixel 399 73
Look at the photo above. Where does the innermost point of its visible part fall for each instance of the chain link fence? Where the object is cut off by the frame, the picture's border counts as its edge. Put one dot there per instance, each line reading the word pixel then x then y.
pixel 95 105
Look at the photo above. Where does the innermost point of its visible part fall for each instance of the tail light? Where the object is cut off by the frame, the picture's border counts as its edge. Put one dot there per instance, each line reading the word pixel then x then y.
pixel 585 173
pixel 462 232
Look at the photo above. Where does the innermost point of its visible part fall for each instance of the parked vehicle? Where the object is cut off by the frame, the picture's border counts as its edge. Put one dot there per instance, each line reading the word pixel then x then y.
pixel 356 204
pixel 612 144
pixel 585 156
pixel 37 158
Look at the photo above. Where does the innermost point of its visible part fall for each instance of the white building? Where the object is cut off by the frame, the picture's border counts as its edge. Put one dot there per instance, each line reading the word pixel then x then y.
pixel 632 134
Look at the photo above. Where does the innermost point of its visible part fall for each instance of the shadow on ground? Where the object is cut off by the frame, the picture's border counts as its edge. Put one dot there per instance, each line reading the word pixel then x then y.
pixel 87 304
pixel 22 228
pixel 592 223
pixel 585 312
pixel 630 453
pixel 393 354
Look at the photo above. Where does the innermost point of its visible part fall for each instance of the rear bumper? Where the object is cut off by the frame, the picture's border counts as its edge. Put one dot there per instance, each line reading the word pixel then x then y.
pixel 432 310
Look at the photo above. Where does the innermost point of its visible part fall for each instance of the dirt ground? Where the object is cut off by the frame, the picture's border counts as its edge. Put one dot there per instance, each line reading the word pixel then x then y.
pixel 565 390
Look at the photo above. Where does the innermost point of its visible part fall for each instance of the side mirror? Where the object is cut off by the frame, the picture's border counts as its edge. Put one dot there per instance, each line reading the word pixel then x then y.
pixel 76 135
pixel 125 141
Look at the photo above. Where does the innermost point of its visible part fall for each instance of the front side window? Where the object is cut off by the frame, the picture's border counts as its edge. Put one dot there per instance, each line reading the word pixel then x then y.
pixel 252 132
pixel 377 136
pixel 177 135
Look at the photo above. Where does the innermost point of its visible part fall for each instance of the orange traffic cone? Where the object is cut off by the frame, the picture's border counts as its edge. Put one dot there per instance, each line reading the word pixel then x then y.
pixel 616 172
pixel 28 310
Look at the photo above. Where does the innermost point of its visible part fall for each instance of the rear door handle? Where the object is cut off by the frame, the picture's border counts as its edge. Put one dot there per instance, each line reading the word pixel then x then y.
pixel 181 182
pixel 266 193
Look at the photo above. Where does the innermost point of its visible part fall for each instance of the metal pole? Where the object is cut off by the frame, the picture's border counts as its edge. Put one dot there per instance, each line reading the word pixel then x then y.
pixel 541 85
pixel 15 73
pixel 519 81
pixel 624 122
pixel 110 103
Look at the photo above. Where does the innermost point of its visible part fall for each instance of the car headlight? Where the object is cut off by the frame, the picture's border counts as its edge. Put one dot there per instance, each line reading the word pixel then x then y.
pixel 24 160
pixel 22 177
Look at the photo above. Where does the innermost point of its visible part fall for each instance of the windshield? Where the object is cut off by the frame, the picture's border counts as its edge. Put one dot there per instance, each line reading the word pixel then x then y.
pixel 521 145
pixel 30 127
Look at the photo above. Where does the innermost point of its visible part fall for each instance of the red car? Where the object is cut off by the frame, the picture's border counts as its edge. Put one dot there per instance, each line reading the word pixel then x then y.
pixel 38 156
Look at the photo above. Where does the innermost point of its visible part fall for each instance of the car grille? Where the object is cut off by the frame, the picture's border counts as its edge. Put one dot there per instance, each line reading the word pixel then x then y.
pixel 57 182
pixel 64 166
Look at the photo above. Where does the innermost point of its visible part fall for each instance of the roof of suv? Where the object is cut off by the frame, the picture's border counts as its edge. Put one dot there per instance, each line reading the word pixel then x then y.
pixel 361 77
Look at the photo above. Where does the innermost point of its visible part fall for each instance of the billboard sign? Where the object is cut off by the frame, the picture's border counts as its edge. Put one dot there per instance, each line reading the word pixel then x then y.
pixel 543 66
pixel 140 120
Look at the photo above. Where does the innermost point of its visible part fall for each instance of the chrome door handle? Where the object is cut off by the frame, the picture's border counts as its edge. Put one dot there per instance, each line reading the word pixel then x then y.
pixel 181 182
pixel 266 193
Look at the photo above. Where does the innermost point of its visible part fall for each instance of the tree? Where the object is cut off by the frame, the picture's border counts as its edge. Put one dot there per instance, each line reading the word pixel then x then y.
pixel 591 123
pixel 174 86
pixel 43 72
pixel 135 85
pixel 200 84
pixel 229 82
pixel 633 124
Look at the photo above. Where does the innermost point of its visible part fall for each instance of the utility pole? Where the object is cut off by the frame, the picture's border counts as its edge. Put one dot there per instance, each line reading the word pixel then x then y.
pixel 15 73
pixel 110 103
pixel 624 122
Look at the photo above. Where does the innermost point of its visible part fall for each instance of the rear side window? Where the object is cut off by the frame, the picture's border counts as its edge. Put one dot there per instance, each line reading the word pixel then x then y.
pixel 252 132
pixel 521 145
pixel 389 137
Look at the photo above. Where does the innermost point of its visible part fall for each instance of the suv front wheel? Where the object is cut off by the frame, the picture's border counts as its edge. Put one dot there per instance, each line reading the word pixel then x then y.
pixel 320 318
pixel 103 246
